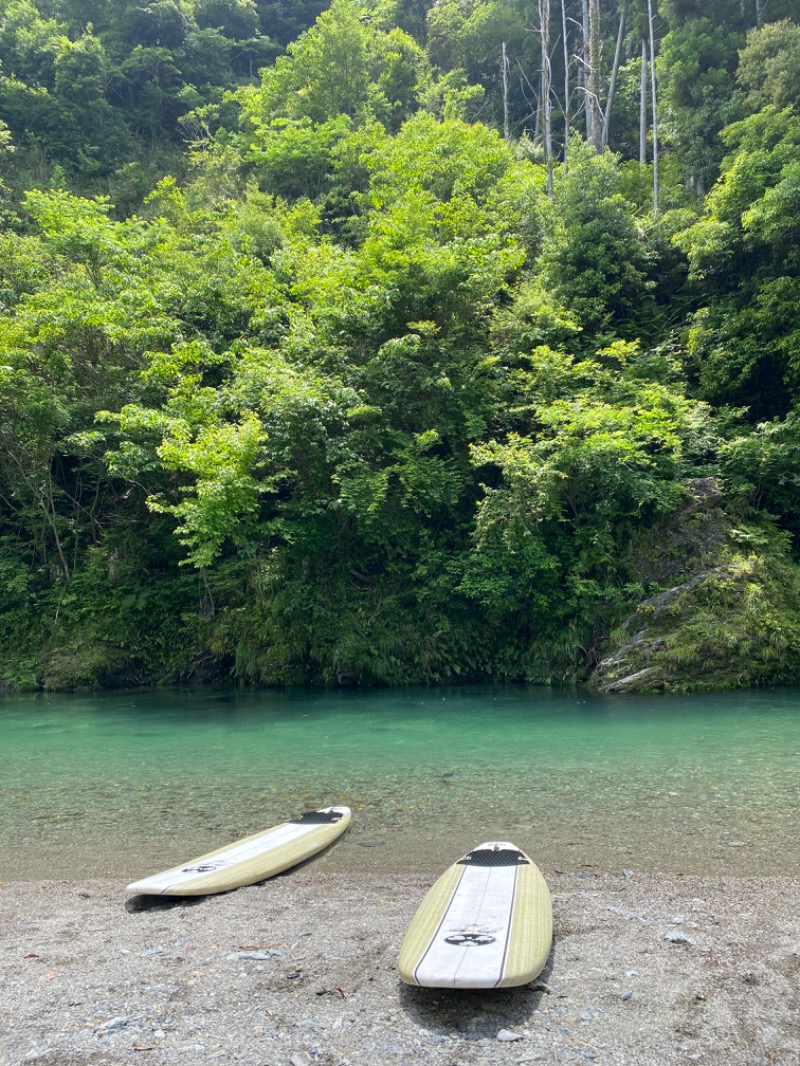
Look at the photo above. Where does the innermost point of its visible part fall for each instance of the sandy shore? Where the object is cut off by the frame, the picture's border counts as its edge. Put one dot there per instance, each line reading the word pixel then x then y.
pixel 300 970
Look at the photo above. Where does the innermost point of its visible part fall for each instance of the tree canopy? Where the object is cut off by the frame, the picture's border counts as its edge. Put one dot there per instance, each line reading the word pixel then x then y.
pixel 382 341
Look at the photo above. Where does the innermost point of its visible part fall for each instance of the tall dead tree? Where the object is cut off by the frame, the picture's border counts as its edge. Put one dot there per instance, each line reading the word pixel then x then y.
pixel 643 107
pixel 654 105
pixel 612 86
pixel 546 105
pixel 506 128
pixel 565 41
pixel 584 68
pixel 595 129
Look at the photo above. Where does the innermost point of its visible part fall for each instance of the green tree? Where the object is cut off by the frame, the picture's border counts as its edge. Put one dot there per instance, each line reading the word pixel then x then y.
pixel 596 258
pixel 744 251
pixel 769 66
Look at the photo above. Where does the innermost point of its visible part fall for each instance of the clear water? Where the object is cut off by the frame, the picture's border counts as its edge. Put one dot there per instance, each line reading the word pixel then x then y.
pixel 125 784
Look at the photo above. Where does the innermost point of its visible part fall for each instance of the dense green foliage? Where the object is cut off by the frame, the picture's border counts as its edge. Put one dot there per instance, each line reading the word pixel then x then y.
pixel 310 373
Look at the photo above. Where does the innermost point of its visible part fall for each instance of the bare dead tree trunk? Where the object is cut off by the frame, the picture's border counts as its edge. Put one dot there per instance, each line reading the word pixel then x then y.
pixel 544 23
pixel 47 504
pixel 42 494
pixel 506 130
pixel 612 87
pixel 593 97
pixel 643 108
pixel 655 105
pixel 760 5
pixel 565 39
pixel 585 67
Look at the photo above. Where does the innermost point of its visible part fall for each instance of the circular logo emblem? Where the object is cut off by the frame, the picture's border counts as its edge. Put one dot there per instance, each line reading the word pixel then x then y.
pixel 469 939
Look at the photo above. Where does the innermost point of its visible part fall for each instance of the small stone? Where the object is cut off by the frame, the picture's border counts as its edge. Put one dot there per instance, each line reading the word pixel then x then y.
pixel 508 1036
pixel 113 1025
pixel 675 936
pixel 300 1059
pixel 631 973
pixel 737 843
pixel 626 996
pixel 255 955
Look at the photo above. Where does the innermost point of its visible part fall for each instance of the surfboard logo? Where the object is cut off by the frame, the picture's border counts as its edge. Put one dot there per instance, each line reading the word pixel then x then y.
pixel 204 867
pixel 465 940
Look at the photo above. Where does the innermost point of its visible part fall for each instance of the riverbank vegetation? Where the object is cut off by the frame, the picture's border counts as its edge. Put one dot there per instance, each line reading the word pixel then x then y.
pixel 399 342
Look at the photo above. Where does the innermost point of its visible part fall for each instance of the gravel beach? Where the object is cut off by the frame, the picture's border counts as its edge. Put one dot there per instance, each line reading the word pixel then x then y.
pixel 300 971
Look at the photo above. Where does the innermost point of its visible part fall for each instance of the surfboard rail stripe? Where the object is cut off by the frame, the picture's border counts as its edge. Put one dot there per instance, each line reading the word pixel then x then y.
pixel 508 931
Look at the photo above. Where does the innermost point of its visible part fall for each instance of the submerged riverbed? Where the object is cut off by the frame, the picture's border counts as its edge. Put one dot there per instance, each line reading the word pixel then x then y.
pixel 123 784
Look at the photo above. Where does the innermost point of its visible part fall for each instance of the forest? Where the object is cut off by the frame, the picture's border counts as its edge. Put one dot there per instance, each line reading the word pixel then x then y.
pixel 398 342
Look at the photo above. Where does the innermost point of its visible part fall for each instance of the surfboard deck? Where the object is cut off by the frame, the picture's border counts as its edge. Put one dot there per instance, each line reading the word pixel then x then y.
pixel 251 859
pixel 486 923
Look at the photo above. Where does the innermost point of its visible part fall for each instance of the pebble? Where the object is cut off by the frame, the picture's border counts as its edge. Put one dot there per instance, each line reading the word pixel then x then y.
pixel 626 996
pixel 508 1036
pixel 299 1059
pixel 113 1025
pixel 675 936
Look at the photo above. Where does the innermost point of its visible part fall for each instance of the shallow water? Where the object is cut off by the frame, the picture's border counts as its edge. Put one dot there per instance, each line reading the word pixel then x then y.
pixel 125 784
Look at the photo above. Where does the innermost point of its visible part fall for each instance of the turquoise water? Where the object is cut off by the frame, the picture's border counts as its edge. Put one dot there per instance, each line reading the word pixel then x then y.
pixel 121 784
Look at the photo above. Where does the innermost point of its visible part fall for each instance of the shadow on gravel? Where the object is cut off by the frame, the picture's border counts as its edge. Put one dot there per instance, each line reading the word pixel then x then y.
pixel 477 1013
pixel 138 904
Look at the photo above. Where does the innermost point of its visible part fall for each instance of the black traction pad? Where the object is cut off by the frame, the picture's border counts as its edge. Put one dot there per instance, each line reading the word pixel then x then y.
pixel 494 857
pixel 317 818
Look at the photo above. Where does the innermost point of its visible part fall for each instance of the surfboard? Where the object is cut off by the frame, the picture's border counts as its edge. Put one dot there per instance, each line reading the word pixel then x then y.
pixel 251 859
pixel 486 923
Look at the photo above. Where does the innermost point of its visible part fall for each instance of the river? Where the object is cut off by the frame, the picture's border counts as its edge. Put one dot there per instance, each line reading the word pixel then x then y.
pixel 124 784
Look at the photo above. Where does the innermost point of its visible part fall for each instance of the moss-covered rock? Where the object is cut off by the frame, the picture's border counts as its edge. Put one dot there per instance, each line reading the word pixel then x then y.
pixel 731 625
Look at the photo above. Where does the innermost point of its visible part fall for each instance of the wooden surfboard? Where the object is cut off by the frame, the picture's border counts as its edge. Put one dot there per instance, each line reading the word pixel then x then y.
pixel 486 923
pixel 252 859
